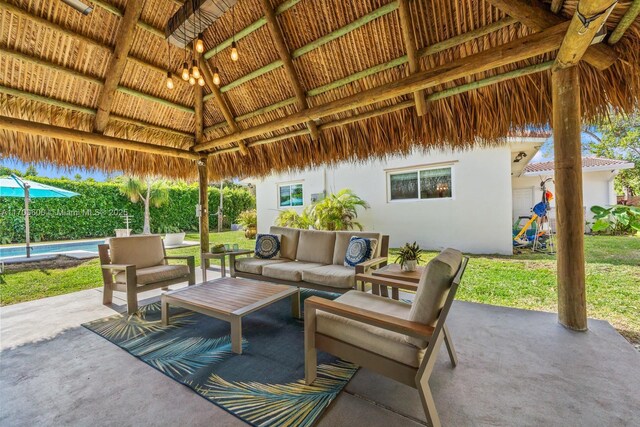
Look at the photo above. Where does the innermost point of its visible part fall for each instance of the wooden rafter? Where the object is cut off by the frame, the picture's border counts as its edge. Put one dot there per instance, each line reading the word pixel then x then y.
pixel 222 104
pixel 117 63
pixel 75 107
pixel 516 50
pixel 456 90
pixel 67 134
pixel 77 74
pixel 556 5
pixel 629 17
pixel 408 35
pixel 579 36
pixel 538 19
pixel 429 50
pixel 285 57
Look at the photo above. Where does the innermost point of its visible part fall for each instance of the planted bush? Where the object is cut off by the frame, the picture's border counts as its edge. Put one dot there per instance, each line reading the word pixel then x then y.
pixel 616 220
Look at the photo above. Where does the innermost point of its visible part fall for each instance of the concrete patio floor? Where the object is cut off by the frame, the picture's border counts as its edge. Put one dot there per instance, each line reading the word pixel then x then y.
pixel 516 368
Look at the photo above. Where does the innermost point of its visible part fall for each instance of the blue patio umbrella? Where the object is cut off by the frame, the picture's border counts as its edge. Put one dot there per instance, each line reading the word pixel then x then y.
pixel 17 187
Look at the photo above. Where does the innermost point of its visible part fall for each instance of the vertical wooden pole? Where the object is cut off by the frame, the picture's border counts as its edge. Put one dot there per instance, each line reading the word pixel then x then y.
pixel 203 181
pixel 572 311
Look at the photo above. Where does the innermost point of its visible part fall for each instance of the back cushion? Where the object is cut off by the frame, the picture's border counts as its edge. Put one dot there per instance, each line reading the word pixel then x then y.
pixel 143 251
pixel 342 243
pixel 288 241
pixel 316 246
pixel 433 289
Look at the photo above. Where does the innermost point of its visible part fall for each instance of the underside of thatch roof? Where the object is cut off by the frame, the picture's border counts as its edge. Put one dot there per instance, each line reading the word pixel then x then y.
pixel 56 66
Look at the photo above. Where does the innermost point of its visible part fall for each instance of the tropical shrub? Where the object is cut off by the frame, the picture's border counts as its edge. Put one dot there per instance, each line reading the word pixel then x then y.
pixel 616 219
pixel 291 218
pixel 100 207
pixel 248 218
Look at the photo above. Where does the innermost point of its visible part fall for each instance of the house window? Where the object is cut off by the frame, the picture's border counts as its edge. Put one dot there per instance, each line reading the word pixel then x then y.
pixel 290 195
pixel 420 184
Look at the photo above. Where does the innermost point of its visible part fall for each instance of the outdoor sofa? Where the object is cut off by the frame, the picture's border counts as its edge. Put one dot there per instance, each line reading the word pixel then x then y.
pixel 312 259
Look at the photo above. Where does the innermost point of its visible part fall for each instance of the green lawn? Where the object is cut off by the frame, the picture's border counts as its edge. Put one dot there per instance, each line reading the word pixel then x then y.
pixel 524 281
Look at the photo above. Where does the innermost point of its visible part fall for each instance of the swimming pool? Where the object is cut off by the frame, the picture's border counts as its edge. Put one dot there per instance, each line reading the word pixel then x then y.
pixel 51 248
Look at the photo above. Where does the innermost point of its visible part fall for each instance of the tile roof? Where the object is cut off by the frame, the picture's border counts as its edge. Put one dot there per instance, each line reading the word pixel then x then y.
pixel 587 162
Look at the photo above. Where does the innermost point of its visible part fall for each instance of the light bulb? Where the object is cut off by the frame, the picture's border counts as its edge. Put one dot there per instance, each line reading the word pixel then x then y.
pixel 234 51
pixel 216 76
pixel 199 44
pixel 185 71
pixel 201 81
pixel 170 84
pixel 194 69
pixel 192 80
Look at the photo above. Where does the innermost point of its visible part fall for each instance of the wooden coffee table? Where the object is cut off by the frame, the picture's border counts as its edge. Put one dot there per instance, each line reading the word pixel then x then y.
pixel 230 299
pixel 395 272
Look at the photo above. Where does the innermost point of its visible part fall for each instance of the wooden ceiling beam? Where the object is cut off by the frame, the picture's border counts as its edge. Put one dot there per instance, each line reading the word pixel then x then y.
pixel 537 18
pixel 517 50
pixel 429 50
pixel 627 19
pixel 285 57
pixel 75 107
pixel 221 101
pixel 456 90
pixel 579 36
pixel 158 32
pixel 117 63
pixel 95 80
pixel 408 35
pixel 68 134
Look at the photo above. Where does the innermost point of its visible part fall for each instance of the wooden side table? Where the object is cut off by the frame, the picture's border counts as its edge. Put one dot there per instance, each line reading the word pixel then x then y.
pixel 222 256
pixel 395 272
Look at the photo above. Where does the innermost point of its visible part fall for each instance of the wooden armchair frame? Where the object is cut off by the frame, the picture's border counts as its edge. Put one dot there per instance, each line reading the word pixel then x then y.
pixel 414 377
pixel 131 287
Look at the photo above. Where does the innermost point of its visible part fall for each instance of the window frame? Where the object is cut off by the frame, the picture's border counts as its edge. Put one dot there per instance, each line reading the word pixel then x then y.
pixel 417 170
pixel 290 184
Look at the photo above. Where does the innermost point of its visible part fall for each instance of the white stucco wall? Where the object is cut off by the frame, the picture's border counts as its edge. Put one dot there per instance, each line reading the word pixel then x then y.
pixel 477 219
pixel 597 189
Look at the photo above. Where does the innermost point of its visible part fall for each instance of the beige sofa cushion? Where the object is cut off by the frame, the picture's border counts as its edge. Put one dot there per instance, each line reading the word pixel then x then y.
pixel 288 241
pixel 316 246
pixel 156 274
pixel 433 289
pixel 254 265
pixel 342 243
pixel 291 270
pixel 377 340
pixel 143 251
pixel 337 276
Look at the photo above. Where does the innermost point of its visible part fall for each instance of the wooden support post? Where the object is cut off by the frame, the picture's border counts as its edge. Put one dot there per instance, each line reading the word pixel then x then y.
pixel 572 311
pixel 117 63
pixel 412 52
pixel 203 183
pixel 287 62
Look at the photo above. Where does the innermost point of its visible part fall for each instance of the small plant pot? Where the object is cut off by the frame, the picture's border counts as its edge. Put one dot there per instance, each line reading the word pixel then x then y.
pixel 174 239
pixel 410 265
pixel 250 232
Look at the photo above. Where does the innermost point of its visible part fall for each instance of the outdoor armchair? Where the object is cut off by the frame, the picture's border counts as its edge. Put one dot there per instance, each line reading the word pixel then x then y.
pixel 138 264
pixel 393 338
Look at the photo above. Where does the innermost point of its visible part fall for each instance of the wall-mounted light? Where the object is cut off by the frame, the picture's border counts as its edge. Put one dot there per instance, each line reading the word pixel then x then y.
pixel 79 6
pixel 521 155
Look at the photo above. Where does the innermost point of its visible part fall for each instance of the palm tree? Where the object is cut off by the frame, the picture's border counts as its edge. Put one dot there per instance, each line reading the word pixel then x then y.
pixel 338 211
pixel 150 192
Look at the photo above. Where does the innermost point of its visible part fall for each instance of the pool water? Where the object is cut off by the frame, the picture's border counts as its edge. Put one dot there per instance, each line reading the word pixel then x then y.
pixel 51 248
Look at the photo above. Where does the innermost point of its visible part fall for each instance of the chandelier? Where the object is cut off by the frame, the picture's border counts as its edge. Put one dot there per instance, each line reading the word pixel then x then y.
pixel 186 28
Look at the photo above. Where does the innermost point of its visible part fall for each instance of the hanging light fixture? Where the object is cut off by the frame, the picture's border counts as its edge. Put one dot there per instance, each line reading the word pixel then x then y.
pixel 216 76
pixel 201 81
pixel 192 80
pixel 195 72
pixel 199 44
pixel 185 71
pixel 234 46
pixel 169 80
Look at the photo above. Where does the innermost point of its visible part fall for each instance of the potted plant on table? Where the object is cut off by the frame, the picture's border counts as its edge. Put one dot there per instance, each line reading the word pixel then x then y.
pixel 409 256
pixel 249 221
pixel 173 235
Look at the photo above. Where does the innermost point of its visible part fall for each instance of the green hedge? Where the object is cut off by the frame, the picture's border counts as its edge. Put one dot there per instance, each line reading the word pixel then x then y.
pixel 97 212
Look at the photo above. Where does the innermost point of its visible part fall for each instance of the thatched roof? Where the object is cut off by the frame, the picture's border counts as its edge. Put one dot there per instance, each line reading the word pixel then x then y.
pixel 53 62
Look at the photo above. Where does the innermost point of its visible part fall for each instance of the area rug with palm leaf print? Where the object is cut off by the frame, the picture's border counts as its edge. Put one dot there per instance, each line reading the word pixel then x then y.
pixel 264 386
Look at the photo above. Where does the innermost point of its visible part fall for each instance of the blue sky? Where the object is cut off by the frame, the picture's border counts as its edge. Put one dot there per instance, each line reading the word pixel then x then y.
pixel 53 171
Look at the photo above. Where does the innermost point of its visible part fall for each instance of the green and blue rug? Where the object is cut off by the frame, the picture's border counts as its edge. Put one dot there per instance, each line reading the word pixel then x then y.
pixel 264 386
